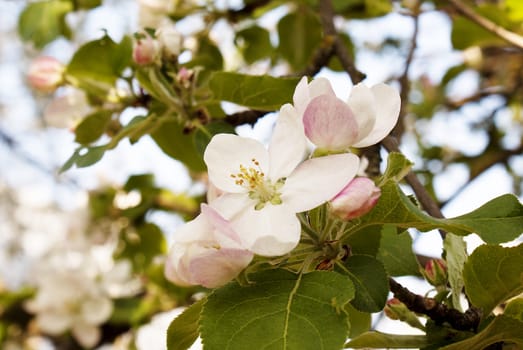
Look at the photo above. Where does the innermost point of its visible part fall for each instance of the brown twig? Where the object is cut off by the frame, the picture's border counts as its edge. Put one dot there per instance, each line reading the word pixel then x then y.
pixel 507 35
pixel 438 312
pixel 329 30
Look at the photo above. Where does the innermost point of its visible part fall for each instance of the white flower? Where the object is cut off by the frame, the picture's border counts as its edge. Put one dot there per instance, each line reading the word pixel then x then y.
pixel 206 252
pixel 332 124
pixel 171 41
pixel 264 189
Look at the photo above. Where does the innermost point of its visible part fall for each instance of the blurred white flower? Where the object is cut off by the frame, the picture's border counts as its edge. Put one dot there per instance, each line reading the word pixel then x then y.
pixel 66 109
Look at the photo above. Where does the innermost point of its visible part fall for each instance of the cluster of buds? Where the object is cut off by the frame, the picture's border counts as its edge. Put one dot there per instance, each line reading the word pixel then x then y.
pixel 150 48
pixel 435 272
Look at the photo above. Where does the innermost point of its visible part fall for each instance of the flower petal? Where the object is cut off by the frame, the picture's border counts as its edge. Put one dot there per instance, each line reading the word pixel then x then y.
pixel 87 335
pixel 272 231
pixel 329 123
pixel 288 144
pixel 304 92
pixel 317 180
pixel 388 103
pixel 224 155
pixel 223 231
pixel 96 310
pixel 362 103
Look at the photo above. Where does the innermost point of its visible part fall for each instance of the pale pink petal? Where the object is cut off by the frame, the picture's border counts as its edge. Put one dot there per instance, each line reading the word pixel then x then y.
pixel 197 229
pixel 174 268
pixel 388 103
pixel 329 123
pixel 363 105
pixel 288 144
pixel 272 231
pixel 356 199
pixel 304 92
pixel 224 155
pixel 216 267
pixel 224 233
pixel 317 180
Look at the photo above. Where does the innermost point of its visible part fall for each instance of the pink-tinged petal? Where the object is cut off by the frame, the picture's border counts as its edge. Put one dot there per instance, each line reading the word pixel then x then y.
pixel 356 199
pixel 288 144
pixel 388 103
pixel 272 231
pixel 197 229
pixel 362 103
pixel 317 180
pixel 329 123
pixel 224 155
pixel 305 92
pixel 174 269
pixel 223 231
pixel 218 266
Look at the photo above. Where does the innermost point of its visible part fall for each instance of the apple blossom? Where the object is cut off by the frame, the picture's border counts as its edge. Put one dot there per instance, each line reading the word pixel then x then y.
pixel 46 74
pixel 146 49
pixel 265 188
pixel 356 199
pixel 334 125
pixel 206 251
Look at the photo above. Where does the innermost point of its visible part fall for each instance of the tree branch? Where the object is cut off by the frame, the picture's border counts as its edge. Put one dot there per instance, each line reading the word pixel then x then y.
pixel 508 36
pixel 438 312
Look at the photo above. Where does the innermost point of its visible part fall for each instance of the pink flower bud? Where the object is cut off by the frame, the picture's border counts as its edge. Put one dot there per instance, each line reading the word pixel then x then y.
pixel 436 272
pixel 392 309
pixel 45 74
pixel 356 199
pixel 146 50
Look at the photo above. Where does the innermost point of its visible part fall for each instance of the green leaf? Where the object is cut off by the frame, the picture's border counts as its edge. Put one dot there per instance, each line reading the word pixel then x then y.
pixel 360 322
pixel 455 257
pixel 254 43
pixel 395 252
pixel 87 4
pixel 84 157
pixel 493 274
pixel 97 64
pixel 514 308
pixel 208 55
pixel 502 329
pixel 183 330
pixel 43 21
pixel 499 220
pixel 170 137
pixel 300 34
pixel 279 310
pixel 258 92
pixel 514 9
pixel 398 166
pixel 374 339
pixel 92 126
pixel 370 280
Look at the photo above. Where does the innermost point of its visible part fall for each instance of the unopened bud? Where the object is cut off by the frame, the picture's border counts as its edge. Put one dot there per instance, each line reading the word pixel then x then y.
pixel 146 50
pixel 436 272
pixel 356 199
pixel 396 310
pixel 46 74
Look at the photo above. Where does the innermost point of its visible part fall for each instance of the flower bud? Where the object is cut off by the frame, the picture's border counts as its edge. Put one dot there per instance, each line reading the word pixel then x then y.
pixel 396 310
pixel 46 74
pixel 356 199
pixel 146 50
pixel 436 272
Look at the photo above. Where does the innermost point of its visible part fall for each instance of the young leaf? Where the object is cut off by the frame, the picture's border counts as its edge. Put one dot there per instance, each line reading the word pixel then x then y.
pixel 493 274
pixel 84 157
pixel 43 21
pixel 183 330
pixel 497 221
pixel 360 322
pixel 395 252
pixel 258 92
pixel 279 310
pixel 370 281
pixel 455 256
pixel 254 42
pixel 92 127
